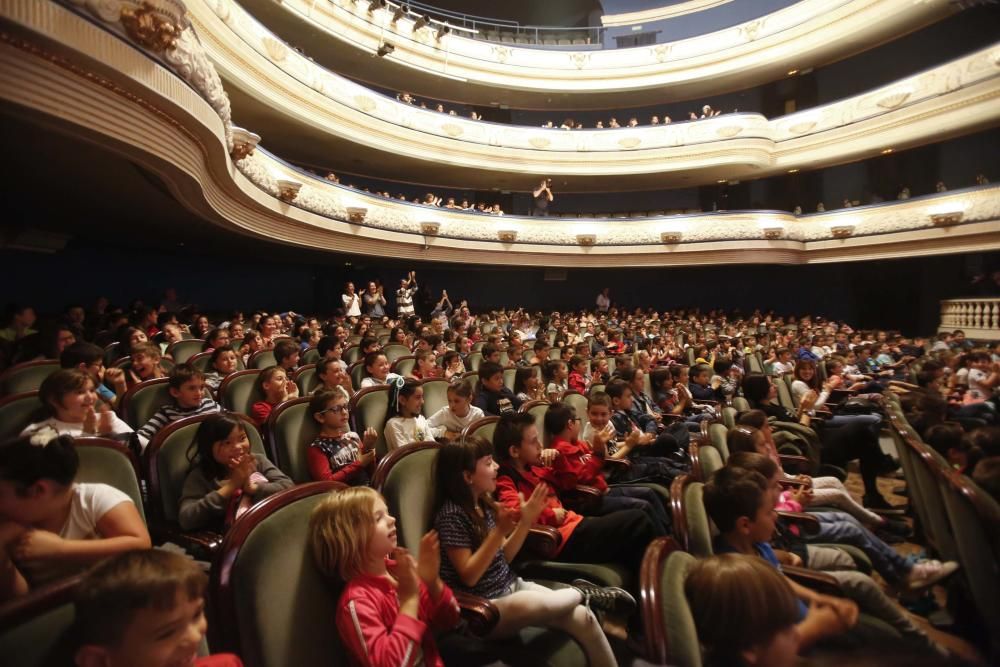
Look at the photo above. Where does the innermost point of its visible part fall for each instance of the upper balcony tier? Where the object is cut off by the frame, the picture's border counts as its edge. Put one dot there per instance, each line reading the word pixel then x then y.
pixel 807 34
pixel 315 116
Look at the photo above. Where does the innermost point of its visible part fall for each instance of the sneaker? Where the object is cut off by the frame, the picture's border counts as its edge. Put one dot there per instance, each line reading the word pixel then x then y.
pixel 876 503
pixel 605 598
pixel 928 572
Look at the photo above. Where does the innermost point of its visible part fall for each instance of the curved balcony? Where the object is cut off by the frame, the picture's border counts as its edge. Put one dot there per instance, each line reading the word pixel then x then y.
pixel 807 34
pixel 978 317
pixel 171 116
pixel 278 85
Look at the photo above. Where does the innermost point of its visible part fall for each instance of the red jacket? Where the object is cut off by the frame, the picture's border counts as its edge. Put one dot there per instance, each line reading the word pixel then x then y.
pixel 577 382
pixel 219 660
pixel 377 635
pixel 575 465
pixel 320 470
pixel 510 482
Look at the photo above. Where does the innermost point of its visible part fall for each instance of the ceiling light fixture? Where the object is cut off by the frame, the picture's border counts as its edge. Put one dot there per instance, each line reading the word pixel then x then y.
pixel 793 171
pixel 886 151
pixel 586 239
pixel 793 72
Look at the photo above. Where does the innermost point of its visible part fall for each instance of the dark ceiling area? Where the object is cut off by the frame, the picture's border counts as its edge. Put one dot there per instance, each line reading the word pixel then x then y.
pixel 566 13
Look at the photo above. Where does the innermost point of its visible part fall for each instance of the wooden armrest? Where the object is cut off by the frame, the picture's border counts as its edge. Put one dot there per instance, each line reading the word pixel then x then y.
pixel 808 523
pixel 480 614
pixel 798 464
pixel 582 499
pixel 542 542
pixel 618 464
pixel 202 544
pixel 821 582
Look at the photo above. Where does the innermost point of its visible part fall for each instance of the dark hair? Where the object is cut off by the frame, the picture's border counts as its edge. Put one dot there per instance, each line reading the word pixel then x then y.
pixel 212 335
pixel 183 373
pixel 266 375
pixel 452 462
pixel 943 437
pixel 488 369
pixel 521 376
pixel 540 345
pixel 81 353
pixel 325 344
pixel 558 417
pixel 732 493
pixel 599 398
pixel 371 357
pixel 755 418
pixel 60 383
pixel 368 342
pixel 625 374
pixel 116 588
pixel 218 352
pixel 747 460
pixel 700 369
pixel 408 388
pixel 657 376
pixel 215 428
pixel 722 366
pixel 987 475
pixel 549 369
pixel 23 463
pixel 756 388
pixel 987 440
pixel 741 439
pixel 284 349
pixel 321 399
pixel 488 350
pixel 509 433
pixel 617 389
pixel 803 364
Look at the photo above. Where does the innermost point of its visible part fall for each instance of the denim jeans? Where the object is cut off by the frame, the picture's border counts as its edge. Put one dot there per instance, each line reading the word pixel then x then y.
pixel 842 528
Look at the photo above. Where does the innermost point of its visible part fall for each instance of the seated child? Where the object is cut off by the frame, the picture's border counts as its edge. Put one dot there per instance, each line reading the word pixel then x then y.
pixel 391 599
pixel 459 412
pixel 187 389
pixel 274 384
pixel 621 537
pixel 338 453
pixel 700 384
pixel 89 358
pixel 579 380
pixel 769 634
pixel 51 527
pixel 145 364
pixel 579 462
pixel 492 397
pixel 668 444
pixel 222 364
pixel 554 375
pixel 479 540
pixel 252 342
pixel 377 367
pixel 425 366
pixel 629 448
pixel 332 377
pixel 454 368
pixel 528 385
pixel 144 608
pixel 406 424
pixel 225 478
pixel 286 355
pixel 69 398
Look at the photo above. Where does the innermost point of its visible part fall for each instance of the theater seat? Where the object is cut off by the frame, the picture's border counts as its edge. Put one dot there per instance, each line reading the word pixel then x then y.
pixel 671 637
pixel 404 365
pixel 27 376
pixel 369 407
pixel 182 350
pixel 482 428
pixel 537 409
pixel 578 402
pixel 142 400
pixel 36 629
pixel 262 359
pixel 508 377
pixel 305 379
pixel 238 391
pixel 394 351
pixel 358 373
pixel 18 411
pixel 435 395
pixel 310 356
pixel 351 354
pixel 290 429
pixel 473 361
pixel 107 461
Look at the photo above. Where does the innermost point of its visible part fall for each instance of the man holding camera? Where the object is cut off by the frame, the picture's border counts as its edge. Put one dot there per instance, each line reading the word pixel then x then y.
pixel 541 197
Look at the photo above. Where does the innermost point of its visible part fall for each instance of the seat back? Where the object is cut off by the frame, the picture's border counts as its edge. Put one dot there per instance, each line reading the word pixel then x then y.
pixel 201 360
pixel 785 399
pixel 290 429
pixel 406 479
pixel 351 354
pixel 310 356
pixel 107 461
pixel 182 350
pixel 705 460
pixel 473 361
pixel 357 372
pixel 596 387
pixel 305 379
pixel 729 416
pixel 18 411
pixel 692 527
pixel 537 409
pixel 238 391
pixel 435 395
pixel 112 353
pixel 262 359
pixel 717 433
pixel 28 376
pixel 671 635
pixel 36 630
pixel 142 400
pixel 394 351
pixel 578 402
pixel 271 624
pixel 404 365
pixel 508 377
pixel 167 462
pixel 482 428
pixel 369 407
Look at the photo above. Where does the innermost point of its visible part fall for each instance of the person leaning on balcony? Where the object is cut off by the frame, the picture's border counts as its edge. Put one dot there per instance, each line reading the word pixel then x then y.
pixel 542 197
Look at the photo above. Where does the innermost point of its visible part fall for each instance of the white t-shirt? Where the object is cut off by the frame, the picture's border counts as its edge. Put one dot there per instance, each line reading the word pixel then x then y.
pixel 782 367
pixel 118 427
pixel 352 304
pixel 400 431
pixel 977 392
pixel 452 422
pixel 372 382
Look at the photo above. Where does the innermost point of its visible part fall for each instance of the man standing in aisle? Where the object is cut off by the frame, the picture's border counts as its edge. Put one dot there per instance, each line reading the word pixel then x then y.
pixel 541 198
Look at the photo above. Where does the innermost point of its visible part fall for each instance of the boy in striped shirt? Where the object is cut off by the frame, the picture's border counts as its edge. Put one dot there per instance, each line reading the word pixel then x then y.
pixel 187 388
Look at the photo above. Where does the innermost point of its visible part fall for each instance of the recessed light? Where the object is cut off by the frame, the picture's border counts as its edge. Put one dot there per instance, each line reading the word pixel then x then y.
pixel 793 72
pixel 793 171
pixel 722 180
pixel 886 151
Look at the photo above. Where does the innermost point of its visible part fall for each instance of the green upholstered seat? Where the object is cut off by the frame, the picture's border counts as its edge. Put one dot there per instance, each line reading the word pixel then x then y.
pixel 741 404
pixel 358 373
pixel 708 461
pixel 291 428
pixel 351 354
pixel 481 428
pixel 369 407
pixel 17 411
pixel 310 356
pixel 435 395
pixel 110 462
pixel 238 392
pixel 537 409
pixel 394 351
pixel 508 377
pixel 671 636
pixel 262 359
pixel 36 629
pixel 305 379
pixel 473 361
pixel 182 350
pixel 717 434
pixel 27 376
pixel 729 416
pixel 404 365
pixel 578 402
pixel 596 387
pixel 142 400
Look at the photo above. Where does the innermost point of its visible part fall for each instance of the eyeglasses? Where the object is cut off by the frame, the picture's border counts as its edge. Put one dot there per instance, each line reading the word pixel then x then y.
pixel 334 409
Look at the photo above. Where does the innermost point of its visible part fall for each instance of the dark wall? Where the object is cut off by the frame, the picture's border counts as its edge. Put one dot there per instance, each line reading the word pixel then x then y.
pixel 901 294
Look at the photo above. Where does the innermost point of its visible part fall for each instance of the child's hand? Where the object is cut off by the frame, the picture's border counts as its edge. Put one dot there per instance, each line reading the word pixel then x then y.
pixel 291 390
pixel 429 559
pixel 533 507
pixel 548 456
pixel 37 545
pixel 560 515
pixel 802 496
pixel 646 439
pixel 105 423
pixel 405 572
pixel 600 444
pixel 369 438
pixel 240 470
pixel 808 400
pixel 804 479
pixel 846 610
pixel 90 422
pixel 366 458
pixel 10 532
pixel 505 520
pixel 115 378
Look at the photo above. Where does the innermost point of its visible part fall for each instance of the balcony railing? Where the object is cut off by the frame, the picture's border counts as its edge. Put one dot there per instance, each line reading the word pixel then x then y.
pixel 979 318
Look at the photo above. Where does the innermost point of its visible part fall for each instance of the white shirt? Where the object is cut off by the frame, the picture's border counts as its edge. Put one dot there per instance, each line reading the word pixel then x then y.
pixel 352 304
pixel 372 382
pixel 400 431
pixel 780 368
pixel 118 427
pixel 452 422
pixel 603 303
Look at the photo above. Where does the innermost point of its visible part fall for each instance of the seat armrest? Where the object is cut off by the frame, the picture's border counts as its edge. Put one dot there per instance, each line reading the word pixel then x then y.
pixel 202 544
pixel 821 582
pixel 582 499
pixel 542 542
pixel 480 614
pixel 808 523
pixel 617 464
pixel 796 464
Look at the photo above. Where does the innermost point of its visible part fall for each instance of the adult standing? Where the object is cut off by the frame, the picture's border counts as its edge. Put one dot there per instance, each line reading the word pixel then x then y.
pixel 374 301
pixel 352 301
pixel 541 198
pixel 404 295
pixel 604 300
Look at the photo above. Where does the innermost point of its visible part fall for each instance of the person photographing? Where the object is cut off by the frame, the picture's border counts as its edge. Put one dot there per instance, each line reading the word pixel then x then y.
pixel 541 198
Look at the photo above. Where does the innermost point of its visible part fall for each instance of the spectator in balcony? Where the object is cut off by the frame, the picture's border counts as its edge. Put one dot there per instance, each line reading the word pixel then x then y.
pixel 600 125
pixel 568 124
pixel 542 197
pixel 497 210
pixel 474 116
pixel 655 120
pixel 940 187
pixel 604 300
pixel 847 203
pixel 547 125
pixel 431 200
pixel 405 98
pixel 613 123
pixel 692 115
pixel 633 122
pixel 439 108
pixel 451 203
pixel 820 208
pixel 904 193
pixel 667 120
pixel 982 180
